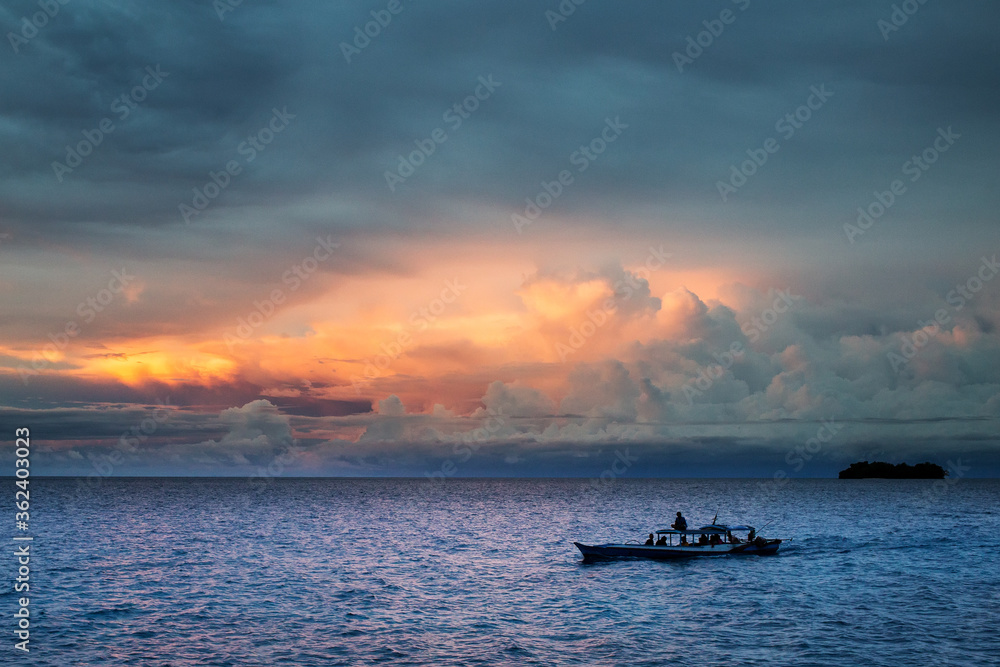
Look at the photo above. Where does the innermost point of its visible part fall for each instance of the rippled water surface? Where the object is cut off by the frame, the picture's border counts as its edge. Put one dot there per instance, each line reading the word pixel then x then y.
pixel 484 572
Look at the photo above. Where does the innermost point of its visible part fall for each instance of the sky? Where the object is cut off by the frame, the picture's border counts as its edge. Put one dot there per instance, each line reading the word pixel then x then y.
pixel 446 239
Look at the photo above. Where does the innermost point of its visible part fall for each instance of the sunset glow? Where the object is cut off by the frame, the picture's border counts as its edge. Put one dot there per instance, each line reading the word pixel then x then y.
pixel 554 248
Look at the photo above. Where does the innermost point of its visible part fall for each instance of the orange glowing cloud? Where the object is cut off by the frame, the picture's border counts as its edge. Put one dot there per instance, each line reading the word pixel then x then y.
pixel 437 333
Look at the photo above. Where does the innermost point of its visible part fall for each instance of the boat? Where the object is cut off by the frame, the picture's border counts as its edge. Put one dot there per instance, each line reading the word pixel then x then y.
pixel 712 540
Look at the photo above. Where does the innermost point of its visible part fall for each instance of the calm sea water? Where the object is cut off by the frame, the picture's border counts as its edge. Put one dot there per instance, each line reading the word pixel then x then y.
pixel 484 572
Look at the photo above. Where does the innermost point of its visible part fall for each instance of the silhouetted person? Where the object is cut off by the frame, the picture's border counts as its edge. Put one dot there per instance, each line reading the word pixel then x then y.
pixel 649 542
pixel 662 542
pixel 715 539
pixel 703 539
pixel 680 523
pixel 684 540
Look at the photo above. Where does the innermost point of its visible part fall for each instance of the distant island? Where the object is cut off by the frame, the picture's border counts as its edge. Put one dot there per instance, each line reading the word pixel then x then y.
pixel 879 469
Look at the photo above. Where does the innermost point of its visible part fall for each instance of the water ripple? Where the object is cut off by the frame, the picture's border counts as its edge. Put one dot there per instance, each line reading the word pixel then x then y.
pixel 483 572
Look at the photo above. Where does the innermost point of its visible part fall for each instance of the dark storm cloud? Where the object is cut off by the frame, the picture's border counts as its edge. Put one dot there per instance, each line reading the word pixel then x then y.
pixel 247 440
pixel 353 119
pixel 111 401
pixel 209 83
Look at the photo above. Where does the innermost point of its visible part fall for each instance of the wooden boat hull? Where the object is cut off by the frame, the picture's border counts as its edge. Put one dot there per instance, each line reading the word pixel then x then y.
pixel 612 551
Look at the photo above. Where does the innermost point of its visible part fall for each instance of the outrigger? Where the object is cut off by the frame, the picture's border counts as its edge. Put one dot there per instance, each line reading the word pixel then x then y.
pixel 712 540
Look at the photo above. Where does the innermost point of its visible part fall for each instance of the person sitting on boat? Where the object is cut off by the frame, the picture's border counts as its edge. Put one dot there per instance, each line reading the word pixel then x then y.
pixel 662 542
pixel 684 540
pixel 680 523
pixel 703 539
pixel 649 542
pixel 715 539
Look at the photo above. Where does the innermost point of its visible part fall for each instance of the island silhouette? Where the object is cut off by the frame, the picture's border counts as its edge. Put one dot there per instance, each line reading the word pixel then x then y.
pixel 882 470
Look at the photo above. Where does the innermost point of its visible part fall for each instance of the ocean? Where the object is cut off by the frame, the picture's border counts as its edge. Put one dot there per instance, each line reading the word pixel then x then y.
pixel 484 572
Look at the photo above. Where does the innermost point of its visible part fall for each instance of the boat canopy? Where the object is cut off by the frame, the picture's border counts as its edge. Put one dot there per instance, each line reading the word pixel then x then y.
pixel 700 531
pixel 705 530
